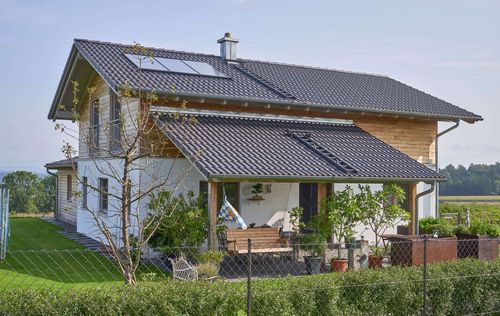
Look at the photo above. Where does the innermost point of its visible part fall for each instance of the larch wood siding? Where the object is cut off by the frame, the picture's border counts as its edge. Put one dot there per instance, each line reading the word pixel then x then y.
pixel 66 211
pixel 101 93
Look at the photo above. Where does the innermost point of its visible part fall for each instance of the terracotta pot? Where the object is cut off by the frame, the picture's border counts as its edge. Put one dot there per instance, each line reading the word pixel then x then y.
pixel 339 265
pixel 375 262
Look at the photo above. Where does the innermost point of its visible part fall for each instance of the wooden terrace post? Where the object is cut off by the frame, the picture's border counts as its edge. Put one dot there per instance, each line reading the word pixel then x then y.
pixel 412 204
pixel 321 194
pixel 213 192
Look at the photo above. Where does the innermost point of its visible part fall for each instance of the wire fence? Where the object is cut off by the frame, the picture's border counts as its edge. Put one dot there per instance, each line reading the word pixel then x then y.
pixel 405 275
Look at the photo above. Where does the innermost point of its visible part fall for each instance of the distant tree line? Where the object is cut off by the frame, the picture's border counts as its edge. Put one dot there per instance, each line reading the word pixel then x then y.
pixel 474 180
pixel 29 193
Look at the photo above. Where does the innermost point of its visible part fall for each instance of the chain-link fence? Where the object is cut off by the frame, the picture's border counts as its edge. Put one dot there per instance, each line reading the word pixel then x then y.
pixel 405 275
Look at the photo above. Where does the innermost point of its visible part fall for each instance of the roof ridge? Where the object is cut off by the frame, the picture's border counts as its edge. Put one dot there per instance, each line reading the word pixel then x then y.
pixel 239 59
pixel 312 67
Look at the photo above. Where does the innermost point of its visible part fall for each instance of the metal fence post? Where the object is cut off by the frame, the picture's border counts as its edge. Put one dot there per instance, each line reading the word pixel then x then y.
pixel 249 278
pixel 424 312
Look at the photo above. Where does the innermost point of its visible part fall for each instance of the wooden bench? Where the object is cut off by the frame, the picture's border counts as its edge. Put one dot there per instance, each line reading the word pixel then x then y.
pixel 264 240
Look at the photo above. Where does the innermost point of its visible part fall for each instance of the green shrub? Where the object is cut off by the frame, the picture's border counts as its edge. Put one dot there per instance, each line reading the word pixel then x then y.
pixel 207 270
pixel 479 228
pixel 212 256
pixel 314 244
pixel 184 221
pixel 429 225
pixel 479 212
pixel 460 287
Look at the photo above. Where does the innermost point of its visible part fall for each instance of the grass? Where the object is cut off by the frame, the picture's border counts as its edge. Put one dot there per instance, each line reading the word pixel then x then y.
pixel 38 256
pixel 30 233
pixel 489 213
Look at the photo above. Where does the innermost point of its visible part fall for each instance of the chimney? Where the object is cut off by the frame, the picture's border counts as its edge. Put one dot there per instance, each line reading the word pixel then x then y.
pixel 228 47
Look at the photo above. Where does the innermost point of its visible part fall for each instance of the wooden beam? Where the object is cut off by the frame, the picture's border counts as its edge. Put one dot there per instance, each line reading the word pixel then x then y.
pixel 321 194
pixel 213 191
pixel 412 204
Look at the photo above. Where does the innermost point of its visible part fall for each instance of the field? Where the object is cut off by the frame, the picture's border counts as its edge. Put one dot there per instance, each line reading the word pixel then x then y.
pixel 487 199
pixel 479 211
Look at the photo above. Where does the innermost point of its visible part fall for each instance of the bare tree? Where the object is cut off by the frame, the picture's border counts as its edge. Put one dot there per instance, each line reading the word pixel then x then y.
pixel 127 149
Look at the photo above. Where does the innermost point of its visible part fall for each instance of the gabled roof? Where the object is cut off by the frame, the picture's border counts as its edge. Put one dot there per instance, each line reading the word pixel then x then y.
pixel 265 82
pixel 62 164
pixel 226 147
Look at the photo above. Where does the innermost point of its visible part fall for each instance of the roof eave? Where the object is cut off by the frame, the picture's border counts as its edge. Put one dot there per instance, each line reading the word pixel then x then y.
pixel 62 84
pixel 342 179
pixel 439 117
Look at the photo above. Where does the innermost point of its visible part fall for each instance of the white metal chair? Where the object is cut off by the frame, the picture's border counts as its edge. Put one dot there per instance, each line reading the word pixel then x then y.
pixel 183 270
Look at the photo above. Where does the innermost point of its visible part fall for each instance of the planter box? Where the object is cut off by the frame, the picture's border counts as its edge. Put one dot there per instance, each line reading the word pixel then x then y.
pixel 479 247
pixel 409 250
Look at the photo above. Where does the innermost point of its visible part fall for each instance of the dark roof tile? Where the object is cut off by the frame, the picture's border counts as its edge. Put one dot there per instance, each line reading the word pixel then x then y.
pixel 271 83
pixel 250 147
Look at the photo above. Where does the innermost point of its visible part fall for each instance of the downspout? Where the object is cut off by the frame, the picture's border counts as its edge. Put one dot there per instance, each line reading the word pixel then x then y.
pixel 457 123
pixel 419 195
pixel 56 211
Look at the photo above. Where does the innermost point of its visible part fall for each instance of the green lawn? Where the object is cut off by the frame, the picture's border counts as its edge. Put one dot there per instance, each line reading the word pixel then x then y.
pixel 33 234
pixel 38 256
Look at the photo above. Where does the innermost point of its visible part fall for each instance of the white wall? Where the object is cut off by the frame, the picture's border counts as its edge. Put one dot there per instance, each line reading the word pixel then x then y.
pixel 427 203
pixel 181 174
pixel 283 197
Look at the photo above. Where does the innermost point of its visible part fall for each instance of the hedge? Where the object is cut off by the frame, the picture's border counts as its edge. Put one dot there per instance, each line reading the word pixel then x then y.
pixel 455 288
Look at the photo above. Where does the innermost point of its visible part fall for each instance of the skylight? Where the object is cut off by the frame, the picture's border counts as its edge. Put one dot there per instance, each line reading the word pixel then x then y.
pixel 173 65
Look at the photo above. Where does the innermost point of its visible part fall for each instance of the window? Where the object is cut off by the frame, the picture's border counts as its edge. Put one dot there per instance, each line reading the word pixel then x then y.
pixel 203 189
pixel 84 191
pixel 103 194
pixel 94 124
pixel 406 202
pixel 174 65
pixel 115 124
pixel 69 187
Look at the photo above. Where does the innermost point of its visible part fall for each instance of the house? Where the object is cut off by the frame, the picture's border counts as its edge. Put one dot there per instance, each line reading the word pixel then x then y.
pixel 66 185
pixel 301 131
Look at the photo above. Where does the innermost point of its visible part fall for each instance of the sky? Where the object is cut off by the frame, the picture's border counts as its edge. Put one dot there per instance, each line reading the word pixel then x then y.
pixel 450 49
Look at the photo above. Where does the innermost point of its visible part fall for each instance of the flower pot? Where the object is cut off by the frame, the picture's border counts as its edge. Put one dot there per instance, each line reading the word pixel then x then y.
pixel 375 262
pixel 339 265
pixel 313 264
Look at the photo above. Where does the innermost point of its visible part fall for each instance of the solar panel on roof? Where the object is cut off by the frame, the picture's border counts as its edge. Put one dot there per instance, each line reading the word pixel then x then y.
pixel 145 62
pixel 176 65
pixel 204 68
pixel 173 65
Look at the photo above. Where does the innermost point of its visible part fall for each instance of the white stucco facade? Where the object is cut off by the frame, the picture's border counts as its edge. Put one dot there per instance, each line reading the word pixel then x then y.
pixel 278 199
pixel 180 174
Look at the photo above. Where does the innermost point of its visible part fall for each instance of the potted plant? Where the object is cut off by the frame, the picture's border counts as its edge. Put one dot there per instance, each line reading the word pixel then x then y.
pixel 382 210
pixel 342 213
pixel 479 241
pixel 315 245
pixel 295 215
pixel 209 264
pixel 257 190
